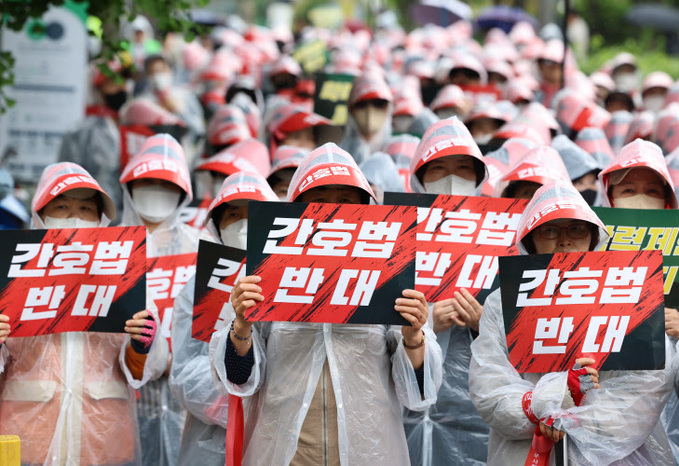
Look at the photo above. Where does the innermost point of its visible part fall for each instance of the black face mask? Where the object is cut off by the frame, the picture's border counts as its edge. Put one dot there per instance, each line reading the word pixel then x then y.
pixel 115 101
pixel 589 195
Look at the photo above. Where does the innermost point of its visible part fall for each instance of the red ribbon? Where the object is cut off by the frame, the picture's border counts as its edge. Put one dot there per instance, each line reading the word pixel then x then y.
pixel 234 432
pixel 540 448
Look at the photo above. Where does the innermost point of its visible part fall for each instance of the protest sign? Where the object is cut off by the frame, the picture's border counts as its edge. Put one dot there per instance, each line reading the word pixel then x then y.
pixel 636 230
pixel 72 280
pixel 165 278
pixel 604 305
pixel 312 55
pixel 331 263
pixel 459 239
pixel 332 95
pixel 218 269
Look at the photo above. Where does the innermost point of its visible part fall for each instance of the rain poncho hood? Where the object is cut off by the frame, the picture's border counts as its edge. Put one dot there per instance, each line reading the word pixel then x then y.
pixel 288 118
pixel 641 127
pixel 228 161
pixel 640 153
pixel 370 85
pixel 142 111
pixel 616 129
pixel 287 157
pixel 228 126
pixel 59 178
pixel 541 164
pixel 557 200
pixel 577 161
pixel 380 171
pixel 594 141
pixel 575 113
pixel 160 157
pixel 243 185
pixel 444 138
pixel 501 160
pixel 666 131
pixel 327 165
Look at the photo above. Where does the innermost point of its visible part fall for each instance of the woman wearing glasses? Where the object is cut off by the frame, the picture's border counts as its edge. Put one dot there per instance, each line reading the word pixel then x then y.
pixel 610 418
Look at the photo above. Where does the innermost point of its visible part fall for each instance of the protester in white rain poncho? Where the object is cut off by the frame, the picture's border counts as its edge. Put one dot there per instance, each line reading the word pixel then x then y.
pixel 156 186
pixel 448 161
pixel 382 175
pixel 370 111
pixel 582 168
pixel 190 377
pixel 70 396
pixel 616 423
pixel 355 377
pixel 639 179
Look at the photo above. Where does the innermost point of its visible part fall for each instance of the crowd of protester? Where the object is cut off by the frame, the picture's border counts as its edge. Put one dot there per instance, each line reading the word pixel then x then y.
pixel 446 111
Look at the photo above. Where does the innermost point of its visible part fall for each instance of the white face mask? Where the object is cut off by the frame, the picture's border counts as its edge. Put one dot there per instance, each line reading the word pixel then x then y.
pixel 640 201
pixel 451 184
pixel 236 234
pixel 155 203
pixel 654 103
pixel 370 119
pixel 73 222
pixel 626 82
pixel 160 81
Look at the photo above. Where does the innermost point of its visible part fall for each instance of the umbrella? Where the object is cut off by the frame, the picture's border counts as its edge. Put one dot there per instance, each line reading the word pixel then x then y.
pixel 504 17
pixel 660 17
pixel 440 12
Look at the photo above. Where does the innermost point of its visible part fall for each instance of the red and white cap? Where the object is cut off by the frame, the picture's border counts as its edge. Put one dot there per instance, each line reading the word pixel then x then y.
pixel 286 65
pixel 575 113
pixel 161 157
pixel 408 103
pixel 450 95
pixel 541 164
pixel 248 155
pixel 601 79
pixel 639 153
pixel 287 157
pixel 556 200
pixel 228 126
pixel 194 56
pixel 446 137
pixel 289 118
pixel 142 111
pixel 221 67
pixel 243 185
pixel 370 86
pixel 59 178
pixel 523 128
pixel 641 126
pixel 327 165
pixel 656 79
pixel 226 163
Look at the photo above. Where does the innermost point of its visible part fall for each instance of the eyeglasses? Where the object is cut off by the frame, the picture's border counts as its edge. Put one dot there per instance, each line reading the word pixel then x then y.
pixel 573 231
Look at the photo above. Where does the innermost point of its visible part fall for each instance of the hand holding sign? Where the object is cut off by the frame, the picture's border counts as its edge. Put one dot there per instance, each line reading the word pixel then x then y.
pixel 4 328
pixel 142 328
pixel 672 322
pixel 245 295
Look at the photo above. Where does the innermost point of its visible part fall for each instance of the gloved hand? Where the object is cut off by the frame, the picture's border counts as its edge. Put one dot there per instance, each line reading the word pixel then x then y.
pixel 582 379
pixel 4 328
pixel 142 329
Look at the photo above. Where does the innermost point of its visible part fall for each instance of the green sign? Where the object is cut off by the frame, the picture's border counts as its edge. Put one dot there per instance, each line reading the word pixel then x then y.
pixel 634 230
pixel 332 94
pixel 312 56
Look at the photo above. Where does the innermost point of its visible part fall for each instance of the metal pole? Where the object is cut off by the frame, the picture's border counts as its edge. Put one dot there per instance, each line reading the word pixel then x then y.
pixel 565 43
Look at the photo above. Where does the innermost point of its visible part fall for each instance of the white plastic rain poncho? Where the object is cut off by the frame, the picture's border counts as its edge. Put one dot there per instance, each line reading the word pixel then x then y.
pixel 191 381
pixel 70 396
pixel 161 417
pixel 381 172
pixel 95 146
pixel 366 365
pixel 616 424
pixel 369 86
pixel 450 431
